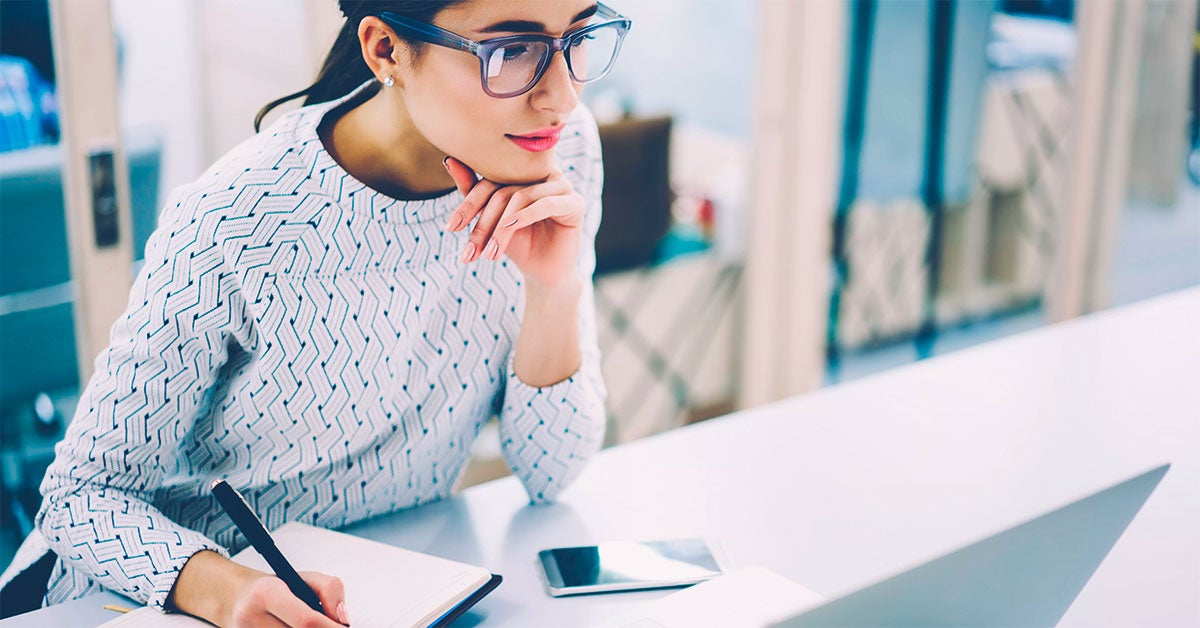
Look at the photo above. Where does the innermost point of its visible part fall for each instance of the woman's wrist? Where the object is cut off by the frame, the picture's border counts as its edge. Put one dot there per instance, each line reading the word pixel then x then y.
pixel 208 587
pixel 564 292
pixel 547 349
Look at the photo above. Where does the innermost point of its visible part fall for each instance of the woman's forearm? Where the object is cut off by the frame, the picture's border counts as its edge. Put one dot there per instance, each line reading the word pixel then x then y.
pixel 548 346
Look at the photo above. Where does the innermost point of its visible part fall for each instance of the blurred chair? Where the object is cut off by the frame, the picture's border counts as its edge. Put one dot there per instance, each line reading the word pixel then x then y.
pixel 637 192
pixel 664 313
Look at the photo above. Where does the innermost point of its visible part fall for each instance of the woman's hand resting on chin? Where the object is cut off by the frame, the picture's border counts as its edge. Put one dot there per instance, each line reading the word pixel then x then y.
pixel 538 226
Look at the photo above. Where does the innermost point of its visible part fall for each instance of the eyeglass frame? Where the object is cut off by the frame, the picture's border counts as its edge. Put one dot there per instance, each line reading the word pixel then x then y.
pixel 438 36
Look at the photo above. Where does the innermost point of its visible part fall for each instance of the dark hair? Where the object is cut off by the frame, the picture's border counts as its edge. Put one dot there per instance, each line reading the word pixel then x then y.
pixel 344 68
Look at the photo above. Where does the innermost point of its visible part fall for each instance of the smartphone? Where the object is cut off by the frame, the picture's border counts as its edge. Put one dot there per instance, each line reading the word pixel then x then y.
pixel 628 566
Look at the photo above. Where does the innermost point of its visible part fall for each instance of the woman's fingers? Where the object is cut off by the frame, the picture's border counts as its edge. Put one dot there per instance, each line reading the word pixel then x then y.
pixel 464 177
pixel 475 191
pixel 293 612
pixel 474 203
pixel 562 208
pixel 503 204
pixel 281 603
pixel 497 207
pixel 488 219
pixel 529 195
pixel 332 593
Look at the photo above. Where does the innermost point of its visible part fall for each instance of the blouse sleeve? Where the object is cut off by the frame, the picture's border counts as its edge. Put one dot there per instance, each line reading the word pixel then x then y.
pixel 548 434
pixel 149 384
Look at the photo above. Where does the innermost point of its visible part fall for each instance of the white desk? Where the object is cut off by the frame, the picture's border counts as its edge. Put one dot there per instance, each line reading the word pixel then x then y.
pixel 843 486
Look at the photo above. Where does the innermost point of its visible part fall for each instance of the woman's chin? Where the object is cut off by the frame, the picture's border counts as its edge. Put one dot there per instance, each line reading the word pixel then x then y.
pixel 523 172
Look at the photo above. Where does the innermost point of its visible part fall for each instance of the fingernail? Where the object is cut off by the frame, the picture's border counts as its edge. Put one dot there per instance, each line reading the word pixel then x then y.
pixel 446 162
pixel 342 613
pixel 453 224
pixel 493 250
pixel 511 223
pixel 468 252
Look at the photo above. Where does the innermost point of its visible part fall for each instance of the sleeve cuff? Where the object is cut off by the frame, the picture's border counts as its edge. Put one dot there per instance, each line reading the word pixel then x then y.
pixel 532 395
pixel 164 580
pixel 548 433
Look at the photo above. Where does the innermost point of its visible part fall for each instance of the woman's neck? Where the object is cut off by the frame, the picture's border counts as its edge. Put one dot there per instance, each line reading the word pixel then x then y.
pixel 384 151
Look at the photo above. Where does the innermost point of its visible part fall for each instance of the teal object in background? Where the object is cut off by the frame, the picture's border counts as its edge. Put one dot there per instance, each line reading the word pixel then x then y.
pixel 680 240
pixel 39 352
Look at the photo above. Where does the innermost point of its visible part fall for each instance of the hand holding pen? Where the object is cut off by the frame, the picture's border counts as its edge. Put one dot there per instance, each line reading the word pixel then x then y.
pixel 229 594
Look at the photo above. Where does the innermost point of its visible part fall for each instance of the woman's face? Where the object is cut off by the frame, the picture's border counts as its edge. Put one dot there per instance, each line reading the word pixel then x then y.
pixel 447 104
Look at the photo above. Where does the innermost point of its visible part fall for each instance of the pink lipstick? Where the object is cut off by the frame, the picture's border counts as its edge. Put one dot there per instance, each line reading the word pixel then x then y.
pixel 538 141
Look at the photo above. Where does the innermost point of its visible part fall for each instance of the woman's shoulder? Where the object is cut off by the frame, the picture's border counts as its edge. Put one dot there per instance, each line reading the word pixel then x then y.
pixel 578 151
pixel 267 150
pixel 580 136
pixel 276 160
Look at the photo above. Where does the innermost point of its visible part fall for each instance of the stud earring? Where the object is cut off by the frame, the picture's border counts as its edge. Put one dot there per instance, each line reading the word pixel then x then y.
pixel 389 81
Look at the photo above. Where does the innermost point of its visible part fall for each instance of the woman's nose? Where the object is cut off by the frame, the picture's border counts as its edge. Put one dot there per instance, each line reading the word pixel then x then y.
pixel 556 91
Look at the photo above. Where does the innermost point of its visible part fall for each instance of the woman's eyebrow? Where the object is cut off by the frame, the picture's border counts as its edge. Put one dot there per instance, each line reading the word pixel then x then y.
pixel 527 26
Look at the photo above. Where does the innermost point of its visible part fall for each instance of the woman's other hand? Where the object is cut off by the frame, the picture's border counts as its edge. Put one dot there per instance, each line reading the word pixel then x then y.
pixel 228 594
pixel 268 601
pixel 537 225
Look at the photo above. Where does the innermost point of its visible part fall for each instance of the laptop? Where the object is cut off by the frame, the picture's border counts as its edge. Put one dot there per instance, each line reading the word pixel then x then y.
pixel 1026 575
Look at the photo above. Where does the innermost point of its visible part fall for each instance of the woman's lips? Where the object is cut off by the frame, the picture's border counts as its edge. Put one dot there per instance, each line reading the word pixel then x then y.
pixel 537 142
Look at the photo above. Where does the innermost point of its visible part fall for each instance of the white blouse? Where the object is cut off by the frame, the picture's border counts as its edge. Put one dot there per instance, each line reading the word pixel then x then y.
pixel 318 345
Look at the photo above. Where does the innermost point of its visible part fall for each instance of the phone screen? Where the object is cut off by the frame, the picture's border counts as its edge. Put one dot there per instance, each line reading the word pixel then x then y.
pixel 633 563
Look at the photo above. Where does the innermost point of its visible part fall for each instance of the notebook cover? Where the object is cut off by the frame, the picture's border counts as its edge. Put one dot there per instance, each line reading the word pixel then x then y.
pixel 471 600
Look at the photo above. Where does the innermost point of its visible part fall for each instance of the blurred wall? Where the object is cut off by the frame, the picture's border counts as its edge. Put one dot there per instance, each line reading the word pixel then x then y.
pixel 196 71
pixel 695 59
pixel 160 81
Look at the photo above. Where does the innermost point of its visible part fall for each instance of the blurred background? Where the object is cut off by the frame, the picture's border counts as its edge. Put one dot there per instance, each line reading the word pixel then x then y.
pixel 798 193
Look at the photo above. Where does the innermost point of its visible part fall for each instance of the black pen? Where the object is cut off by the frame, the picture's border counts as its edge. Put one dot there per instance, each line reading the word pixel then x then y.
pixel 252 527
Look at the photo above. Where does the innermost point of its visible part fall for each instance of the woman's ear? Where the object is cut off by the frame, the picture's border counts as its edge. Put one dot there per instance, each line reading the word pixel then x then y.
pixel 381 49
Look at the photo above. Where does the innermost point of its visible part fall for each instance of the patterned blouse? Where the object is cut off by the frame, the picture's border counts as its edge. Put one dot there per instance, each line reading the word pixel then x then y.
pixel 318 345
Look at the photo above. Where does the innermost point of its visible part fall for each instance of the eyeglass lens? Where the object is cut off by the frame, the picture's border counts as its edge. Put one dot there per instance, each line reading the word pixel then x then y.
pixel 514 67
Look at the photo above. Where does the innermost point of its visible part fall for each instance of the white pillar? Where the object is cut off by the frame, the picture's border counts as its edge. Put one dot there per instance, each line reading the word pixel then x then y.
pixel 1160 141
pixel 1098 154
pixel 797 144
pixel 86 67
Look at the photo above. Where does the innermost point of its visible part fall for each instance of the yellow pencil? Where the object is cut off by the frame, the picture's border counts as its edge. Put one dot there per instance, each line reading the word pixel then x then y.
pixel 114 607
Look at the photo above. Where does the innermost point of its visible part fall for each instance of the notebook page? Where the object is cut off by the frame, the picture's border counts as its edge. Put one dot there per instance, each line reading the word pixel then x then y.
pixel 385 585
pixel 146 617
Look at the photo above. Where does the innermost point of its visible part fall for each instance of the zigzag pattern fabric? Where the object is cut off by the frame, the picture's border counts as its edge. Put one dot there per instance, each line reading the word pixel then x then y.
pixel 317 344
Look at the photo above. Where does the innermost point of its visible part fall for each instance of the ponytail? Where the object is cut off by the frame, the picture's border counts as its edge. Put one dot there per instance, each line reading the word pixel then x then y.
pixel 342 71
pixel 344 68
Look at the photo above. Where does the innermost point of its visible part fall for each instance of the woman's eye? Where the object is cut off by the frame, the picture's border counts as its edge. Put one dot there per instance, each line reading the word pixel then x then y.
pixel 514 52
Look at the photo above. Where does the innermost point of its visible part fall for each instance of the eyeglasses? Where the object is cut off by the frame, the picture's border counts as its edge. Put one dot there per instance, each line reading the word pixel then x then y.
pixel 510 66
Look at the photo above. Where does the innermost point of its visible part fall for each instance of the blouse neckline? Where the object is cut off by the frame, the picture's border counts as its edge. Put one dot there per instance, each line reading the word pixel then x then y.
pixel 348 190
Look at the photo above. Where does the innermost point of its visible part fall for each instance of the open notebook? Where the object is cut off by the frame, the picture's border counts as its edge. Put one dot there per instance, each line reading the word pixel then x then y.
pixel 385 585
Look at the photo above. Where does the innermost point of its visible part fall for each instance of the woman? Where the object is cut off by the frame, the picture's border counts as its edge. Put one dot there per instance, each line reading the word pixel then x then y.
pixel 329 315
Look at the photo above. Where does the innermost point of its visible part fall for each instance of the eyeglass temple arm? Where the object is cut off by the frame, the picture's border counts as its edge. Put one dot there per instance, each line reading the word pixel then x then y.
pixel 607 12
pixel 428 32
